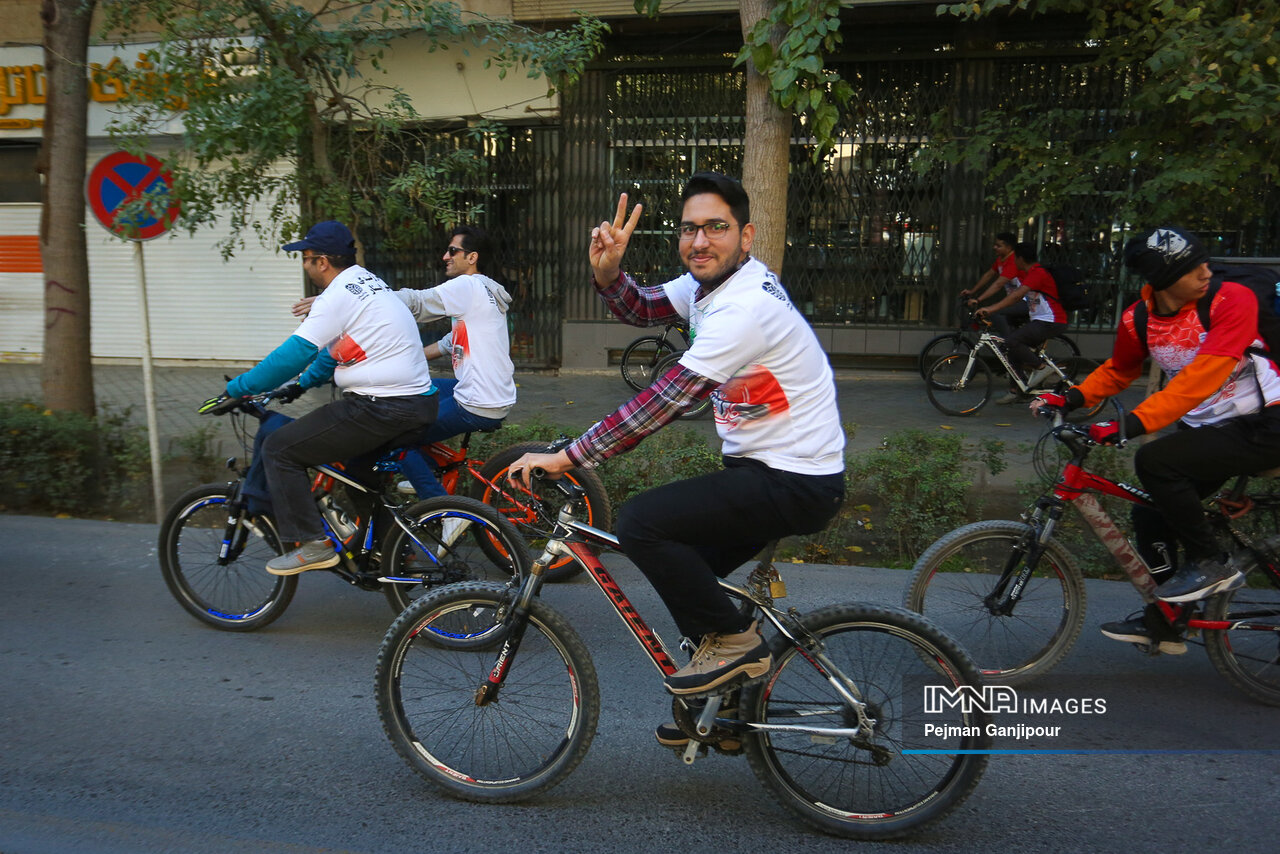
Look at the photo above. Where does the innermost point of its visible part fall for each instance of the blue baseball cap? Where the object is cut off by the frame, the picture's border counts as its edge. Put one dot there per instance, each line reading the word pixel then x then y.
pixel 326 238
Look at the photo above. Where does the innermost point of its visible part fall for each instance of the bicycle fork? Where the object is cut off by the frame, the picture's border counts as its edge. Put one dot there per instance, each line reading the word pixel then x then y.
pixel 516 620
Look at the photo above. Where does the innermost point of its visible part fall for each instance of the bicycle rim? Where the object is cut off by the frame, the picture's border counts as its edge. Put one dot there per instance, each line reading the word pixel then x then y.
pixel 958 385
pixel 234 595
pixel 639 359
pixel 850 786
pixel 1249 657
pixel 483 547
pixel 939 347
pixel 433 659
pixel 954 577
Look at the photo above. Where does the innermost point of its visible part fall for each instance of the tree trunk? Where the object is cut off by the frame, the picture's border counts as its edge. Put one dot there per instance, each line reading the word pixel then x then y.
pixel 766 153
pixel 67 371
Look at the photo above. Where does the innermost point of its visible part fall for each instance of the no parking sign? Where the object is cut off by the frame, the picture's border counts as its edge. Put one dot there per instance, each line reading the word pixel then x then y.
pixel 122 178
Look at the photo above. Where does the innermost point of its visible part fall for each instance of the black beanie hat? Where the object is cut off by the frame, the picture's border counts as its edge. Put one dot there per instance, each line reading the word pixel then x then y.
pixel 1164 255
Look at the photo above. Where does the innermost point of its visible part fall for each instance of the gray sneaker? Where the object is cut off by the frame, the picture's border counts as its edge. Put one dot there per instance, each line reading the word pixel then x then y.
pixel 1199 579
pixel 317 554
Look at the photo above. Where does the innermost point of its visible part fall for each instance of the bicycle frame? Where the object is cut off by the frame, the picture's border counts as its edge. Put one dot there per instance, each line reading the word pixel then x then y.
pixel 1080 488
pixel 988 342
pixel 583 542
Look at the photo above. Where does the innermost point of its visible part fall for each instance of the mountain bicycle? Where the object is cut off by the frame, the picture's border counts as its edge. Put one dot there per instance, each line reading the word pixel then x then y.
pixel 490 694
pixel 1015 596
pixel 215 542
pixel 641 357
pixel 961 383
pixel 965 338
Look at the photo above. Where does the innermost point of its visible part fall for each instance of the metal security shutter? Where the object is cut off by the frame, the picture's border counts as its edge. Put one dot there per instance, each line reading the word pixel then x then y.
pixel 21 294
pixel 201 307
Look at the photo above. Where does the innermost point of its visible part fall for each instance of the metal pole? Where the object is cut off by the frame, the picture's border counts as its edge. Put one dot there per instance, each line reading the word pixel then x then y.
pixel 148 387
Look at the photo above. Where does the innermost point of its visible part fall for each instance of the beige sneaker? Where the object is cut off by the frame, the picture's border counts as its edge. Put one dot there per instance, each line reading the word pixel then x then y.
pixel 722 658
pixel 317 554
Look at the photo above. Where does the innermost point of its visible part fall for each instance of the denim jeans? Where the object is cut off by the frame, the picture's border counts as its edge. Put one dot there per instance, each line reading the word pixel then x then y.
pixel 452 420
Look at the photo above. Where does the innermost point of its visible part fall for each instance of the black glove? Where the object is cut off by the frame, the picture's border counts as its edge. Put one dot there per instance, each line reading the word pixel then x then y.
pixel 289 392
pixel 220 405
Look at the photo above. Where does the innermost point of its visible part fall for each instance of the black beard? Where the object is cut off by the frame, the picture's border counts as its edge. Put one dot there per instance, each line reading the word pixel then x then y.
pixel 706 286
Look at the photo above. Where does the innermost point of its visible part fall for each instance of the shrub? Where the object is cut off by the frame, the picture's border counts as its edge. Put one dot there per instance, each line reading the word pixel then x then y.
pixel 923 483
pixel 65 462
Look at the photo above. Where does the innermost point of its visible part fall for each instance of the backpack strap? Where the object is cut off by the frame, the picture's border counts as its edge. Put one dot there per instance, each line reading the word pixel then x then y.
pixel 1140 314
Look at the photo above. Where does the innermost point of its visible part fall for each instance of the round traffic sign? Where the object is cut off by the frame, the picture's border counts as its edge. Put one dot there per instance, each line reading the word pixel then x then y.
pixel 118 181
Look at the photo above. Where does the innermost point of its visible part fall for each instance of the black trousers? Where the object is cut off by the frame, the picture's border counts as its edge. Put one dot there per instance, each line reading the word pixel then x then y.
pixel 685 535
pixel 1026 339
pixel 1188 465
pixel 349 427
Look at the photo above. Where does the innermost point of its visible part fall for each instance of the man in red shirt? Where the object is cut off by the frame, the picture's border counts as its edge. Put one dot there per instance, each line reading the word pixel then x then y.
pixel 1003 274
pixel 1222 394
pixel 1047 318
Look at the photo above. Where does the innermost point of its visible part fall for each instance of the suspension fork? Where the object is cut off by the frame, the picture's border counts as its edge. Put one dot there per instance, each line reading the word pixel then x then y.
pixel 515 622
pixel 1024 558
pixel 236 532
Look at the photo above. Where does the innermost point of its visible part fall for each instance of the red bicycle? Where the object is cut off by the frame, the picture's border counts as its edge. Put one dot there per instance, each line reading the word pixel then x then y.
pixel 1015 597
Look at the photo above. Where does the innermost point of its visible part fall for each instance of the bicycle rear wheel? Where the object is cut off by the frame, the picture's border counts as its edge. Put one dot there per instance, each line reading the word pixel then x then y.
pixel 482 547
pixel 641 357
pixel 939 346
pixel 858 786
pixel 235 593
pixel 535 515
pixel 441 650
pixel 1249 655
pixel 959 384
pixel 665 364
pixel 1060 348
pixel 953 579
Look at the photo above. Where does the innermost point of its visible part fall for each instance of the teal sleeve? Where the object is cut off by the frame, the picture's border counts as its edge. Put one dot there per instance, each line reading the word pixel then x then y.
pixel 281 365
pixel 319 372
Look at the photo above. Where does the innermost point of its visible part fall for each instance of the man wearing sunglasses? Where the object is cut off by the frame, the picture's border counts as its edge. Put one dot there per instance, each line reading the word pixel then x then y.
pixel 774 398
pixel 483 389
pixel 361 336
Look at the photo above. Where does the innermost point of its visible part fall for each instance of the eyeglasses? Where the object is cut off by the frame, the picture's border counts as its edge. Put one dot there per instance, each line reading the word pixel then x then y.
pixel 713 230
pixel 454 250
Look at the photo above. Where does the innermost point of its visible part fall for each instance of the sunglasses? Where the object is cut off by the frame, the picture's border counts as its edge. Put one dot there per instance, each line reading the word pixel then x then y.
pixel 454 250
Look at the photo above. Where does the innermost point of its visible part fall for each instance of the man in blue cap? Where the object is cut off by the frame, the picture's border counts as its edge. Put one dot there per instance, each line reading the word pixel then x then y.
pixel 360 335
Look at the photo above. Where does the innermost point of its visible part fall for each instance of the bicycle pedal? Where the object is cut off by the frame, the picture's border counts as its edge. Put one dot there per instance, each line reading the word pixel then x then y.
pixel 741 680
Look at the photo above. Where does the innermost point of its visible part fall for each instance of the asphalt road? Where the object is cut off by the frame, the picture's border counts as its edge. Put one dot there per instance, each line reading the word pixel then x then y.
pixel 130 727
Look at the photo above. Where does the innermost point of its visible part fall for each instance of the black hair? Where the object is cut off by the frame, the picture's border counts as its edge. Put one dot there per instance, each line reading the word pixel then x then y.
pixel 341 262
pixel 723 186
pixel 1007 237
pixel 474 239
pixel 1025 251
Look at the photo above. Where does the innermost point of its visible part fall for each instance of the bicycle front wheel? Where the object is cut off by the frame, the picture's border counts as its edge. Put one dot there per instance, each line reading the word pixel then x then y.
pixel 955 584
pixel 467 541
pixel 641 357
pixel 959 384
pixel 1248 654
pixel 441 650
pixel 939 346
pixel 866 785
pixel 234 593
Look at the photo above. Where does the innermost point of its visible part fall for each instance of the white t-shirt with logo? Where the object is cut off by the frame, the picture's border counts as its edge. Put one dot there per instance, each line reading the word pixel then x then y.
pixel 370 334
pixel 777 398
pixel 478 342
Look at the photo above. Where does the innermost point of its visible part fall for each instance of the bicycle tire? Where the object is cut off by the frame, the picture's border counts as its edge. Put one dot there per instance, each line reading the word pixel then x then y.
pixel 959 385
pixel 1060 348
pixel 665 364
pixel 954 575
pixel 430 664
pixel 837 784
pixel 536 521
pixel 1249 659
pixel 488 549
pixel 236 596
pixel 946 344
pixel 641 357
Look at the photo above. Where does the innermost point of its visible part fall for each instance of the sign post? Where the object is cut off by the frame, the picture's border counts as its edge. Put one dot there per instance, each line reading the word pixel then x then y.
pixel 130 196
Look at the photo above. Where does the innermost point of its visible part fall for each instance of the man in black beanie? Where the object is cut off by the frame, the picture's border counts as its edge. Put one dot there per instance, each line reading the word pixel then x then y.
pixel 1221 393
